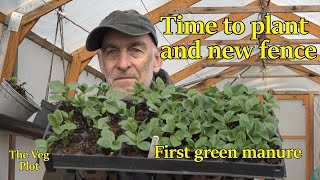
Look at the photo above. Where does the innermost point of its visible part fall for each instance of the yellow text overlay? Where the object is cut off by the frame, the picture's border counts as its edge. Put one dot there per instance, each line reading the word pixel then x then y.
pixel 24 164
pixel 162 151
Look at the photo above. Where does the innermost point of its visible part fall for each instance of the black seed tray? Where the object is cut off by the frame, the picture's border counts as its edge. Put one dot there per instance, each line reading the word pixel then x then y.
pixel 166 166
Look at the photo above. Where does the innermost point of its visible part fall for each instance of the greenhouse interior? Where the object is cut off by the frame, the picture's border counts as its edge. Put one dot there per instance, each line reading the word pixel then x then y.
pixel 159 89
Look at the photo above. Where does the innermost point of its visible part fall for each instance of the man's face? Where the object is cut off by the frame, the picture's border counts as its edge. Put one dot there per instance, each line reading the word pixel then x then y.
pixel 126 59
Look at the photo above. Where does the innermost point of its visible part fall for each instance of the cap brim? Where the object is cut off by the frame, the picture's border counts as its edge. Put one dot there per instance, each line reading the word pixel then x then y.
pixel 95 37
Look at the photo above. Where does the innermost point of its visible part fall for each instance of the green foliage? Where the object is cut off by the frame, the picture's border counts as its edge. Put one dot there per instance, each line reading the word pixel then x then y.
pixel 108 140
pixel 238 117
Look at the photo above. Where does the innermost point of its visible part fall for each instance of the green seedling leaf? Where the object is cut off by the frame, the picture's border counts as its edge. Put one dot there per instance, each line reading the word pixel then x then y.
pixel 144 145
pixel 240 140
pixel 102 123
pixel 181 134
pixel 116 145
pixel 113 94
pixel 57 97
pixel 229 146
pixel 69 126
pixel 220 144
pixel 210 131
pixel 73 85
pixel 57 87
pixel 104 142
pixel 181 126
pixel 238 89
pixel 111 106
pixel 41 145
pixel 228 115
pixel 123 138
pixel 58 130
pixel 106 133
pixel 263 145
pixel 277 141
pixel 165 141
pixel 190 141
pixel 223 134
pixel 227 90
pixel 201 142
pixel 214 140
pixel 195 127
pixel 143 135
pixel 89 89
pixel 219 117
pixel 90 112
pixel 130 135
pixel 175 141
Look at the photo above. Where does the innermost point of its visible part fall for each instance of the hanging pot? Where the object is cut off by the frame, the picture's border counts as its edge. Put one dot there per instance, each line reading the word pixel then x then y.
pixel 14 105
pixel 42 116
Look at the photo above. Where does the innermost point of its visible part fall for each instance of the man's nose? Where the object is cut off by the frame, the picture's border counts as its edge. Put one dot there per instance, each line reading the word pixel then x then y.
pixel 124 61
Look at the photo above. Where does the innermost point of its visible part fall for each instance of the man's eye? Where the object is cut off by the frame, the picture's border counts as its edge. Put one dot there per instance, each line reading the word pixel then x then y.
pixel 135 50
pixel 111 51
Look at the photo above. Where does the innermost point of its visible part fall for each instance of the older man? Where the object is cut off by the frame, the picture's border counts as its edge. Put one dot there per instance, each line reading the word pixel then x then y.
pixel 127 50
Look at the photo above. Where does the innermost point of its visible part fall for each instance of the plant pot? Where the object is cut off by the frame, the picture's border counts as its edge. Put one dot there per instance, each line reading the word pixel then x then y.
pixel 42 116
pixel 14 105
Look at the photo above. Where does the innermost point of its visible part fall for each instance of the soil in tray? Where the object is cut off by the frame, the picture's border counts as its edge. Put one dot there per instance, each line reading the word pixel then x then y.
pixel 115 119
pixel 273 160
pixel 232 125
pixel 89 145
pixel 77 117
pixel 73 145
pixel 142 112
pixel 130 151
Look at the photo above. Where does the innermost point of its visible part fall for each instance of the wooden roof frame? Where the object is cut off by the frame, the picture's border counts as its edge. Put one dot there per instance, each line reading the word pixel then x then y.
pixel 84 56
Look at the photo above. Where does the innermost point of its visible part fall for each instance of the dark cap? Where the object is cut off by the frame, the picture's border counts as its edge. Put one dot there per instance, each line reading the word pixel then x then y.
pixel 129 22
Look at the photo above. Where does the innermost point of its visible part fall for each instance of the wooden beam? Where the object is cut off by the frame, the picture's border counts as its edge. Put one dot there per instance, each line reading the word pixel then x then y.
pixel 253 9
pixel 47 45
pixel 289 97
pixel 84 64
pixel 280 38
pixel 11 162
pixel 82 54
pixel 25 29
pixel 2 18
pixel 250 42
pixel 73 72
pixel 233 70
pixel 310 135
pixel 312 28
pixel 195 67
pixel 301 70
pixel 58 51
pixel 42 10
pixel 264 76
pixel 188 71
pixel 3 45
pixel 293 137
pixel 295 92
pixel 11 55
pixel 163 10
pixel 153 15
pixel 232 17
pixel 267 63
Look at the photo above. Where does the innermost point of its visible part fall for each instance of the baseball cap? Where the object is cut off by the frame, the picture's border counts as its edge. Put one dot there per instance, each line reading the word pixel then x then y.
pixel 128 22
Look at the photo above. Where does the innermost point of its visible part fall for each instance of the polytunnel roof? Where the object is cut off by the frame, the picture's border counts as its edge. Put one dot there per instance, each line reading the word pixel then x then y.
pixel 88 14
